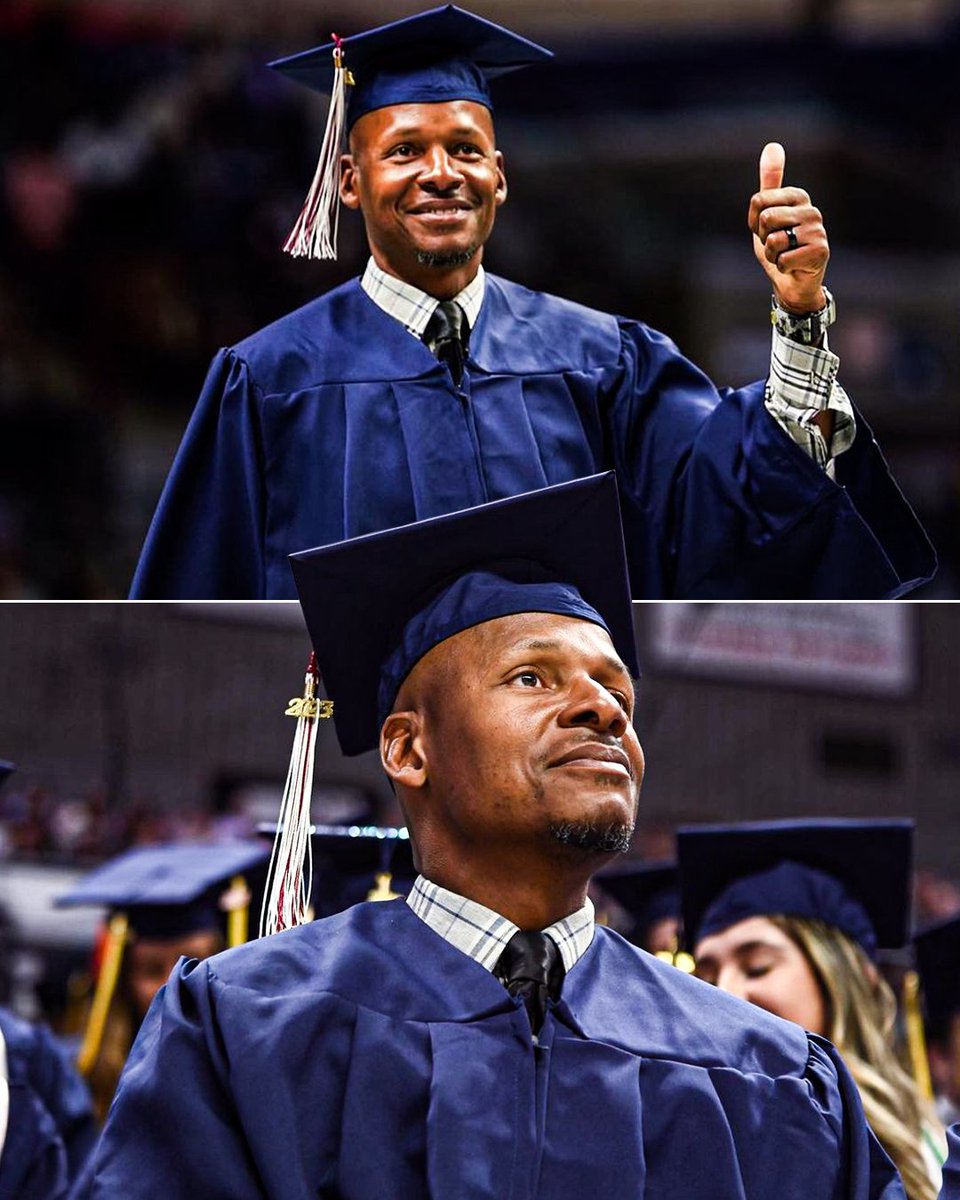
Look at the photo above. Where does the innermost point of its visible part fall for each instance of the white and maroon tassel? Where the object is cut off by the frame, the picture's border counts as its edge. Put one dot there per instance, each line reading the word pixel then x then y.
pixel 287 896
pixel 315 233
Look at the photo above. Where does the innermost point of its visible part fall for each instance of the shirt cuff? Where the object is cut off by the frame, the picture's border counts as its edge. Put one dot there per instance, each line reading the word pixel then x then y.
pixel 803 383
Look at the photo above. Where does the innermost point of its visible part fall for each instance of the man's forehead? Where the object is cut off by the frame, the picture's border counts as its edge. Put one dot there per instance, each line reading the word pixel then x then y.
pixel 454 116
pixel 542 632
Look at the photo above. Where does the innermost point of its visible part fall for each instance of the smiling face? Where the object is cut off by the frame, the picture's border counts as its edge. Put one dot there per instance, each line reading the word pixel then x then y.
pixel 512 741
pixel 428 180
pixel 760 963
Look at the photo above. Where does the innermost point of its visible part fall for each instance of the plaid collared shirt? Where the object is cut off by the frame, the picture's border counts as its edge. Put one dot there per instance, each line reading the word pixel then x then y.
pixel 801 384
pixel 483 934
pixel 412 307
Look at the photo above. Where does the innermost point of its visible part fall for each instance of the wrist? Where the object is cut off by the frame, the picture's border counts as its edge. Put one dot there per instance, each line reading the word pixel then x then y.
pixel 807 328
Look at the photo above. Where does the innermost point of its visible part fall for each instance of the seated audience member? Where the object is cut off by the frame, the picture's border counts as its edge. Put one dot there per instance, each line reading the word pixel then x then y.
pixel 938 960
pixel 164 902
pixel 649 893
pixel 790 915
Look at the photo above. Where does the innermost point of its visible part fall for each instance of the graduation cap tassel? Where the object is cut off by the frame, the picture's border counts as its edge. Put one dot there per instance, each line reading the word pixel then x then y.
pixel 916 1042
pixel 314 235
pixel 103 994
pixel 290 876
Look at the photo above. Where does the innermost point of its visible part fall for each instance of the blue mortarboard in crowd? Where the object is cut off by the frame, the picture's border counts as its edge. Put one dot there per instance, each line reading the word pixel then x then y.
pixel 6 770
pixel 443 54
pixel 937 949
pixel 169 891
pixel 648 891
pixel 375 605
pixel 851 874
pixel 352 863
pixel 163 893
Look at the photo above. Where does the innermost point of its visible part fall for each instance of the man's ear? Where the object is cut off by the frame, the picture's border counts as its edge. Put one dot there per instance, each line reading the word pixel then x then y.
pixel 501 192
pixel 401 750
pixel 348 182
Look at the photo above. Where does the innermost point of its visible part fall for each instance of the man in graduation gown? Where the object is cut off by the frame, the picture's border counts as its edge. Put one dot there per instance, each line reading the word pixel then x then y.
pixel 482 1038
pixel 428 386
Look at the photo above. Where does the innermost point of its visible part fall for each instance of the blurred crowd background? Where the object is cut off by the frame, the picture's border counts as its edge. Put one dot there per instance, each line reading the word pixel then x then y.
pixel 150 166
pixel 139 724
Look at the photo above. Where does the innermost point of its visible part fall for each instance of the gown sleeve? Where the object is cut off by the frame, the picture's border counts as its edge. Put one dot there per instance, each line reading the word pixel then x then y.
pixel 33 1162
pixel 206 540
pixel 54 1079
pixel 866 1171
pixel 738 508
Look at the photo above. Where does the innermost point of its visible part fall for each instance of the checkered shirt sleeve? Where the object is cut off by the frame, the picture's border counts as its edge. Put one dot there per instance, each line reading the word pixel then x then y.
pixel 801 384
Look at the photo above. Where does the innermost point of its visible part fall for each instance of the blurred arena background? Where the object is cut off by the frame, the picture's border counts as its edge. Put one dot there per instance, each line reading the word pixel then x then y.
pixel 150 166
pixel 133 724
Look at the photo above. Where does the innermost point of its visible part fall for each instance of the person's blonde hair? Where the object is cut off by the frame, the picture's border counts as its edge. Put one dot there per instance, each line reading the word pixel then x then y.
pixel 861 1010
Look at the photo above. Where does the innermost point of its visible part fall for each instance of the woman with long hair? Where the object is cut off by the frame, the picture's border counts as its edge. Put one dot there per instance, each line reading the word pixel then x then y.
pixel 789 916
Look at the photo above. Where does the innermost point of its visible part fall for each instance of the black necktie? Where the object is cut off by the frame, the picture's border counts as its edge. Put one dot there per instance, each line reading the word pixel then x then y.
pixel 447 334
pixel 530 967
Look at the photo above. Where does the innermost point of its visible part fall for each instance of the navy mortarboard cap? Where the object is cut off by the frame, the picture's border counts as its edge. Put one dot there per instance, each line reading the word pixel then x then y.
pixel 443 54
pixel 6 769
pixel 854 875
pixel 937 949
pixel 359 862
pixel 649 891
pixel 375 605
pixel 168 891
pixel 355 862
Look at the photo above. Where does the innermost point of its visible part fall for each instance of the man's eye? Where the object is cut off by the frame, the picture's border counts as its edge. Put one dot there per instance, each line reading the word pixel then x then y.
pixel 466 148
pixel 405 150
pixel 527 679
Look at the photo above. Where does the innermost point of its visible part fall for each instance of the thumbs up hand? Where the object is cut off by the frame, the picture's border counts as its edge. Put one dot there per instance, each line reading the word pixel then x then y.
pixel 789 239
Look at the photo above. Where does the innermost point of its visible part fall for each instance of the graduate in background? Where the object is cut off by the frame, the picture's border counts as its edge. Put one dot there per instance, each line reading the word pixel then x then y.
pixel 483 1038
pixel 165 902
pixel 938 960
pixel 649 893
pixel 352 863
pixel 428 386
pixel 790 915
pixel 47 1127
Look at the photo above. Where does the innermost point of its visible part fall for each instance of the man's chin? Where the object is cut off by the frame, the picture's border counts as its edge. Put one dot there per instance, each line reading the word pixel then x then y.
pixel 445 258
pixel 594 837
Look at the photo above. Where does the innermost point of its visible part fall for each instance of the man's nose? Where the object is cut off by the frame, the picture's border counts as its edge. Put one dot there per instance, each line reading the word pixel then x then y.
pixel 592 705
pixel 440 171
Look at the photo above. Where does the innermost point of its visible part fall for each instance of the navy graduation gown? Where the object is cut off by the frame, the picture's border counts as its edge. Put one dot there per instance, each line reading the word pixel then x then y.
pixel 52 1128
pixel 36 1060
pixel 33 1162
pixel 364 1057
pixel 335 421
pixel 951 1168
